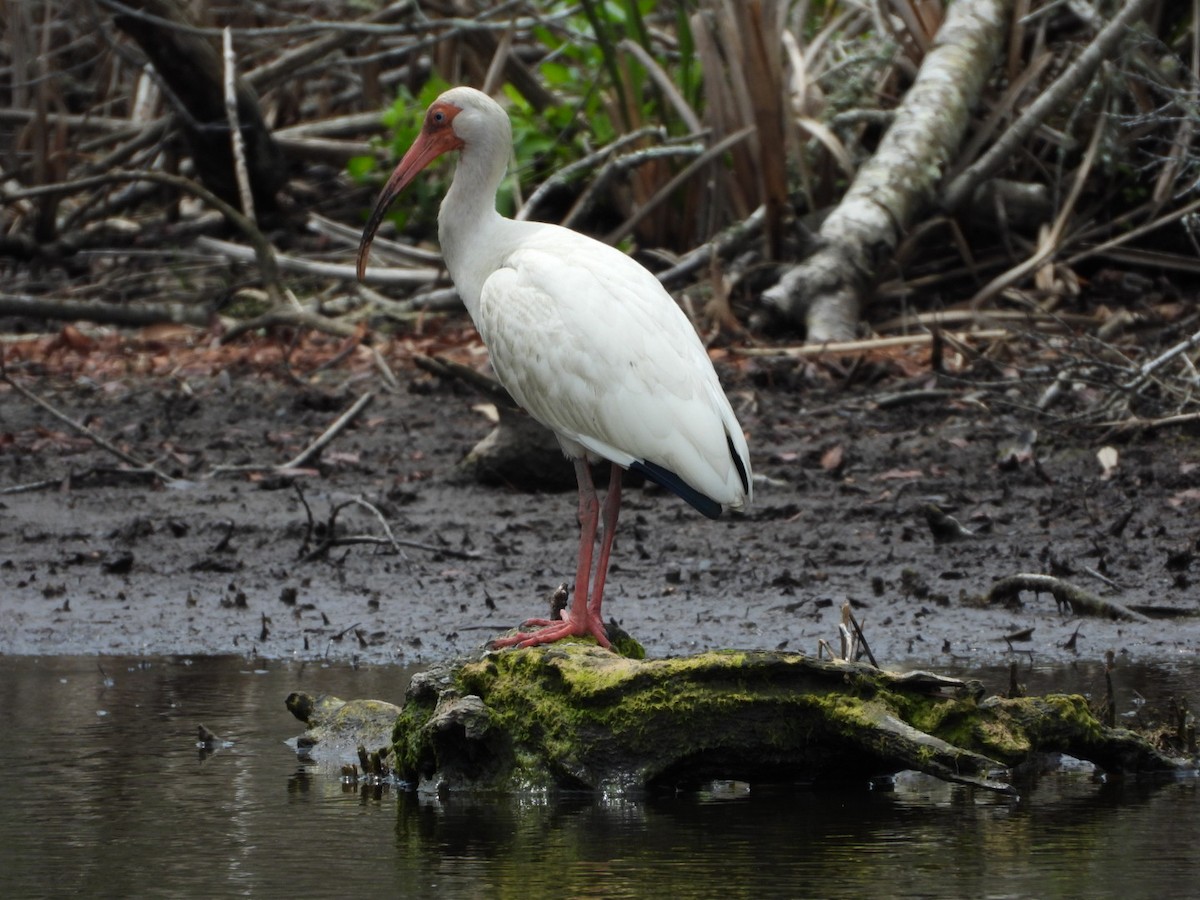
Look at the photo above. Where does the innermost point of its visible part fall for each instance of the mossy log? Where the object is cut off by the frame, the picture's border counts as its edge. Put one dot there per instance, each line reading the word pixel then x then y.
pixel 572 716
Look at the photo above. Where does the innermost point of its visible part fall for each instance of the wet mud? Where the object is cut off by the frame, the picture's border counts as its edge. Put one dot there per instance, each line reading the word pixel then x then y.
pixel 95 560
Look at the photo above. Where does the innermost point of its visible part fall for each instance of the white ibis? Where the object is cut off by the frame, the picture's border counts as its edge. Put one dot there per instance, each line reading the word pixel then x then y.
pixel 586 341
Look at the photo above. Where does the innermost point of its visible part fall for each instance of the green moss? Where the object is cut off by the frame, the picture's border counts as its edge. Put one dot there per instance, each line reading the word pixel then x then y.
pixel 573 715
pixel 553 702
pixel 561 715
pixel 407 743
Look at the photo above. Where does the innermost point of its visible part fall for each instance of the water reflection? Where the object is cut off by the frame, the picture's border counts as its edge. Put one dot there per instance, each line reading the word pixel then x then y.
pixel 104 792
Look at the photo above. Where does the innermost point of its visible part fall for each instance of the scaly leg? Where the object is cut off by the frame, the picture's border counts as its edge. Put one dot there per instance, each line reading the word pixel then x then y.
pixel 612 509
pixel 579 620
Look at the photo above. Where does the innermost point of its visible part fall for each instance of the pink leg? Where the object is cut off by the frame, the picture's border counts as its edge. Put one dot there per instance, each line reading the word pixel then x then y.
pixel 579 620
pixel 589 517
pixel 612 508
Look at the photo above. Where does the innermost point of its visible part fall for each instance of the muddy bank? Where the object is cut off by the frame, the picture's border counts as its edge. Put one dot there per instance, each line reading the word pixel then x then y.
pixel 102 562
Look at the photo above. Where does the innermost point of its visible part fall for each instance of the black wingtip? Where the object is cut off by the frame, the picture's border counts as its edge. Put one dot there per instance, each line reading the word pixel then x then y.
pixel 740 463
pixel 672 482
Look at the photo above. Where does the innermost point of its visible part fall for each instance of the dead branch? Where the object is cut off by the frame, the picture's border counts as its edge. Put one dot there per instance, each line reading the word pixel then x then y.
pixel 332 40
pixel 313 449
pixel 241 171
pixel 1050 242
pixel 1135 423
pixel 824 293
pixel 962 188
pixel 139 465
pixel 1149 368
pixel 300 461
pixel 103 313
pixel 332 539
pixel 602 184
pixel 387 529
pixel 697 165
pixel 349 236
pixel 563 176
pixel 395 277
pixel 286 317
pixel 264 253
pixel 726 244
pixel 1066 595
pixel 446 368
pixel 868 344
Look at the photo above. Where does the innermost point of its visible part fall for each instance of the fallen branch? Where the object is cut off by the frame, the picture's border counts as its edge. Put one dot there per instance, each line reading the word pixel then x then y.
pixel 299 462
pixel 962 188
pixel 868 344
pixel 331 539
pixel 824 293
pixel 330 433
pixel 141 466
pixel 725 244
pixel 393 542
pixel 264 253
pixel 103 313
pixel 241 172
pixel 398 277
pixel 446 368
pixel 1147 369
pixel 332 37
pixel 331 530
pixel 562 177
pixel 1050 242
pixel 349 236
pixel 701 162
pixel 1139 424
pixel 1065 594
pixel 288 317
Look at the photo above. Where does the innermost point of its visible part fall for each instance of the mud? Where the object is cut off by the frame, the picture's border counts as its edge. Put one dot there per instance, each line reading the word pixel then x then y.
pixel 103 562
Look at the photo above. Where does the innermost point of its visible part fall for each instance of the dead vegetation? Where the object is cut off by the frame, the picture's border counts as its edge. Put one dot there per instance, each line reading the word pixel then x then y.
pixel 1044 258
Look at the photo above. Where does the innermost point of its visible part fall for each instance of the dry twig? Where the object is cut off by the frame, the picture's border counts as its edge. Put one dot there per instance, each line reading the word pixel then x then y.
pixel 139 465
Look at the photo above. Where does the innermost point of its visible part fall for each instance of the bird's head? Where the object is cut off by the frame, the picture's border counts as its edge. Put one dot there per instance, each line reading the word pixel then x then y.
pixel 460 118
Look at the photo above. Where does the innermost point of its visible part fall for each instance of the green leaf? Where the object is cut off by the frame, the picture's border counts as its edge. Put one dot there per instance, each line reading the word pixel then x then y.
pixel 360 168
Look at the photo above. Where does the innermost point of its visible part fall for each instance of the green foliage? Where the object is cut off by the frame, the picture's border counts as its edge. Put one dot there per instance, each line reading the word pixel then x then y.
pixel 605 92
pixel 403 120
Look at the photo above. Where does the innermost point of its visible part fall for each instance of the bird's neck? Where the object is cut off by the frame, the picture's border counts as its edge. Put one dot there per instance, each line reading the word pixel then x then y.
pixel 469 228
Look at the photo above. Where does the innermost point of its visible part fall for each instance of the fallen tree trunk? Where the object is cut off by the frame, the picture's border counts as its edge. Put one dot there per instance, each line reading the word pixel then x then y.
pixel 573 716
pixel 824 293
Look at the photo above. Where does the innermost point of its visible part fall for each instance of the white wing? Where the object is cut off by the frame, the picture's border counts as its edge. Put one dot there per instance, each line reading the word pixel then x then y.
pixel 594 348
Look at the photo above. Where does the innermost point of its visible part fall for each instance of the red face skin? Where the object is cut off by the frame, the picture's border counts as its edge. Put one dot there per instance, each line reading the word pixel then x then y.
pixel 437 137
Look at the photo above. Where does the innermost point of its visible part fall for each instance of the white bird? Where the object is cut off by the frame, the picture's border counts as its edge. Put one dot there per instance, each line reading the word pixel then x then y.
pixel 585 339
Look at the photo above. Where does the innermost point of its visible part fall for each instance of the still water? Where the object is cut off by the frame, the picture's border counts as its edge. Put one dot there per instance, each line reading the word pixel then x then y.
pixel 103 793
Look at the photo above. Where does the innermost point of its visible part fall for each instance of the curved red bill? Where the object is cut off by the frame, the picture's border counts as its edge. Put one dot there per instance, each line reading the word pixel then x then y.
pixel 437 137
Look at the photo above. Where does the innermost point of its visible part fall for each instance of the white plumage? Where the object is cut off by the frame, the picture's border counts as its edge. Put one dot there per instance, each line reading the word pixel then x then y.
pixel 583 337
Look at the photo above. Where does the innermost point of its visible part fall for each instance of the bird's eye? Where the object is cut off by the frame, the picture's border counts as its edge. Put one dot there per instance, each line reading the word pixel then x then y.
pixel 438 117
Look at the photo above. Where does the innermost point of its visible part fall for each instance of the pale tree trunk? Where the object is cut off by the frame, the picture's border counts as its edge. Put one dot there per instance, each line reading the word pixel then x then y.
pixel 824 293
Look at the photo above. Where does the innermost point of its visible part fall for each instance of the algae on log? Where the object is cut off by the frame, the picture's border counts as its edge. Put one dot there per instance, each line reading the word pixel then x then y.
pixel 337 728
pixel 573 716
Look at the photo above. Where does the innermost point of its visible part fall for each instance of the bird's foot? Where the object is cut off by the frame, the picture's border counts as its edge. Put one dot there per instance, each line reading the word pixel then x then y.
pixel 556 630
